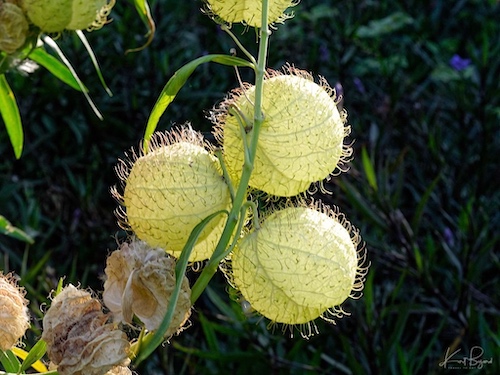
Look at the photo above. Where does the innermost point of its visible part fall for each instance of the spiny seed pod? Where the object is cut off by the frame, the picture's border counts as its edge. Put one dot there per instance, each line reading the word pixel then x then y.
pixel 301 140
pixel 13 27
pixel 79 338
pixel 53 16
pixel 140 281
pixel 248 12
pixel 301 264
pixel 172 188
pixel 14 319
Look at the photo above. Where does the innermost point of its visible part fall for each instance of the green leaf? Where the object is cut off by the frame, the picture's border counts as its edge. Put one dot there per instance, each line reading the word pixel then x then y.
pixel 8 229
pixel 56 67
pixel 52 44
pixel 11 116
pixel 369 169
pixel 383 26
pixel 178 80
pixel 93 58
pixel 151 342
pixel 144 12
pixel 9 361
pixel 35 354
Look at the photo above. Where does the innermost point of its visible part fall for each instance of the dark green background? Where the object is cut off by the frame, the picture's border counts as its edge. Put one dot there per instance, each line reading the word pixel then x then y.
pixel 429 131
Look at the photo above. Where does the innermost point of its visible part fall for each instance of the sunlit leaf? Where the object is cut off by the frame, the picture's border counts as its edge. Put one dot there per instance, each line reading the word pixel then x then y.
pixel 178 80
pixel 9 361
pixel 11 116
pixel 32 359
pixel 56 67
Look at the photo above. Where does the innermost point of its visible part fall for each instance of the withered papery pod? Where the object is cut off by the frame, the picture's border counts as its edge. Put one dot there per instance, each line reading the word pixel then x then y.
pixel 170 189
pixel 53 16
pixel 248 12
pixel 301 264
pixel 14 319
pixel 80 339
pixel 301 140
pixel 13 27
pixel 140 281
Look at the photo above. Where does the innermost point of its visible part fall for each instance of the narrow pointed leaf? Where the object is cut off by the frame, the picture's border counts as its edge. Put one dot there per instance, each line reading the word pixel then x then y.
pixel 56 67
pixel 32 358
pixel 93 58
pixel 8 229
pixel 50 42
pixel 11 116
pixel 9 361
pixel 151 342
pixel 178 80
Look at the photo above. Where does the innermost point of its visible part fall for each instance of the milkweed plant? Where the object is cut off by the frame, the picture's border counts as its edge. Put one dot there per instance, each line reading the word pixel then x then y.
pixel 241 204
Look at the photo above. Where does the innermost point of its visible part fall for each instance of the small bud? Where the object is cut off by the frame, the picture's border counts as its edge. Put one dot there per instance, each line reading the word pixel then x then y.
pixel 301 139
pixel 140 281
pixel 14 319
pixel 54 16
pixel 79 338
pixel 301 264
pixel 248 12
pixel 172 188
pixel 13 27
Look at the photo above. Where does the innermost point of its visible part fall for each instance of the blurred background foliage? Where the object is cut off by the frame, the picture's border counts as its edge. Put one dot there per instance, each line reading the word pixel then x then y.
pixel 420 84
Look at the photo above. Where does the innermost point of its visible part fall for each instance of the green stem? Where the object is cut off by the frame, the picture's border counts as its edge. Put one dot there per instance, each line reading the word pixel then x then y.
pixel 238 43
pixel 241 193
pixel 153 339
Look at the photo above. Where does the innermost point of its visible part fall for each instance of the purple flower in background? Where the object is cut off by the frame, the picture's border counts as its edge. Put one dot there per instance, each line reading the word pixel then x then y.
pixel 324 54
pixel 449 238
pixel 458 63
pixel 359 85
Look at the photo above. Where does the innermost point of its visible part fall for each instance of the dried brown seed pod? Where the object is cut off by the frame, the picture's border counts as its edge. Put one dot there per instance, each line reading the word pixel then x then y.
pixel 79 338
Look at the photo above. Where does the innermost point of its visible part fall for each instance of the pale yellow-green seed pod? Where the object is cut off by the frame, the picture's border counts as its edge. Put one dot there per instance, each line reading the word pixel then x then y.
pixel 301 264
pixel 79 338
pixel 14 319
pixel 140 281
pixel 301 140
pixel 248 12
pixel 54 16
pixel 172 188
pixel 13 27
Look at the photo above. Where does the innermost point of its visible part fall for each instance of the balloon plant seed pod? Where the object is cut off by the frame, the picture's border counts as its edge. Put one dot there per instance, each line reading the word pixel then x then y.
pixel 248 12
pixel 79 338
pixel 302 263
pixel 14 319
pixel 53 16
pixel 140 281
pixel 301 139
pixel 170 189
pixel 13 27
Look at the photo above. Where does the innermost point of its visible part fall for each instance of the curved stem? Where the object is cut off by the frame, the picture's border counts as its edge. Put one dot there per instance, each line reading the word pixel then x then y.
pixel 251 149
pixel 238 43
